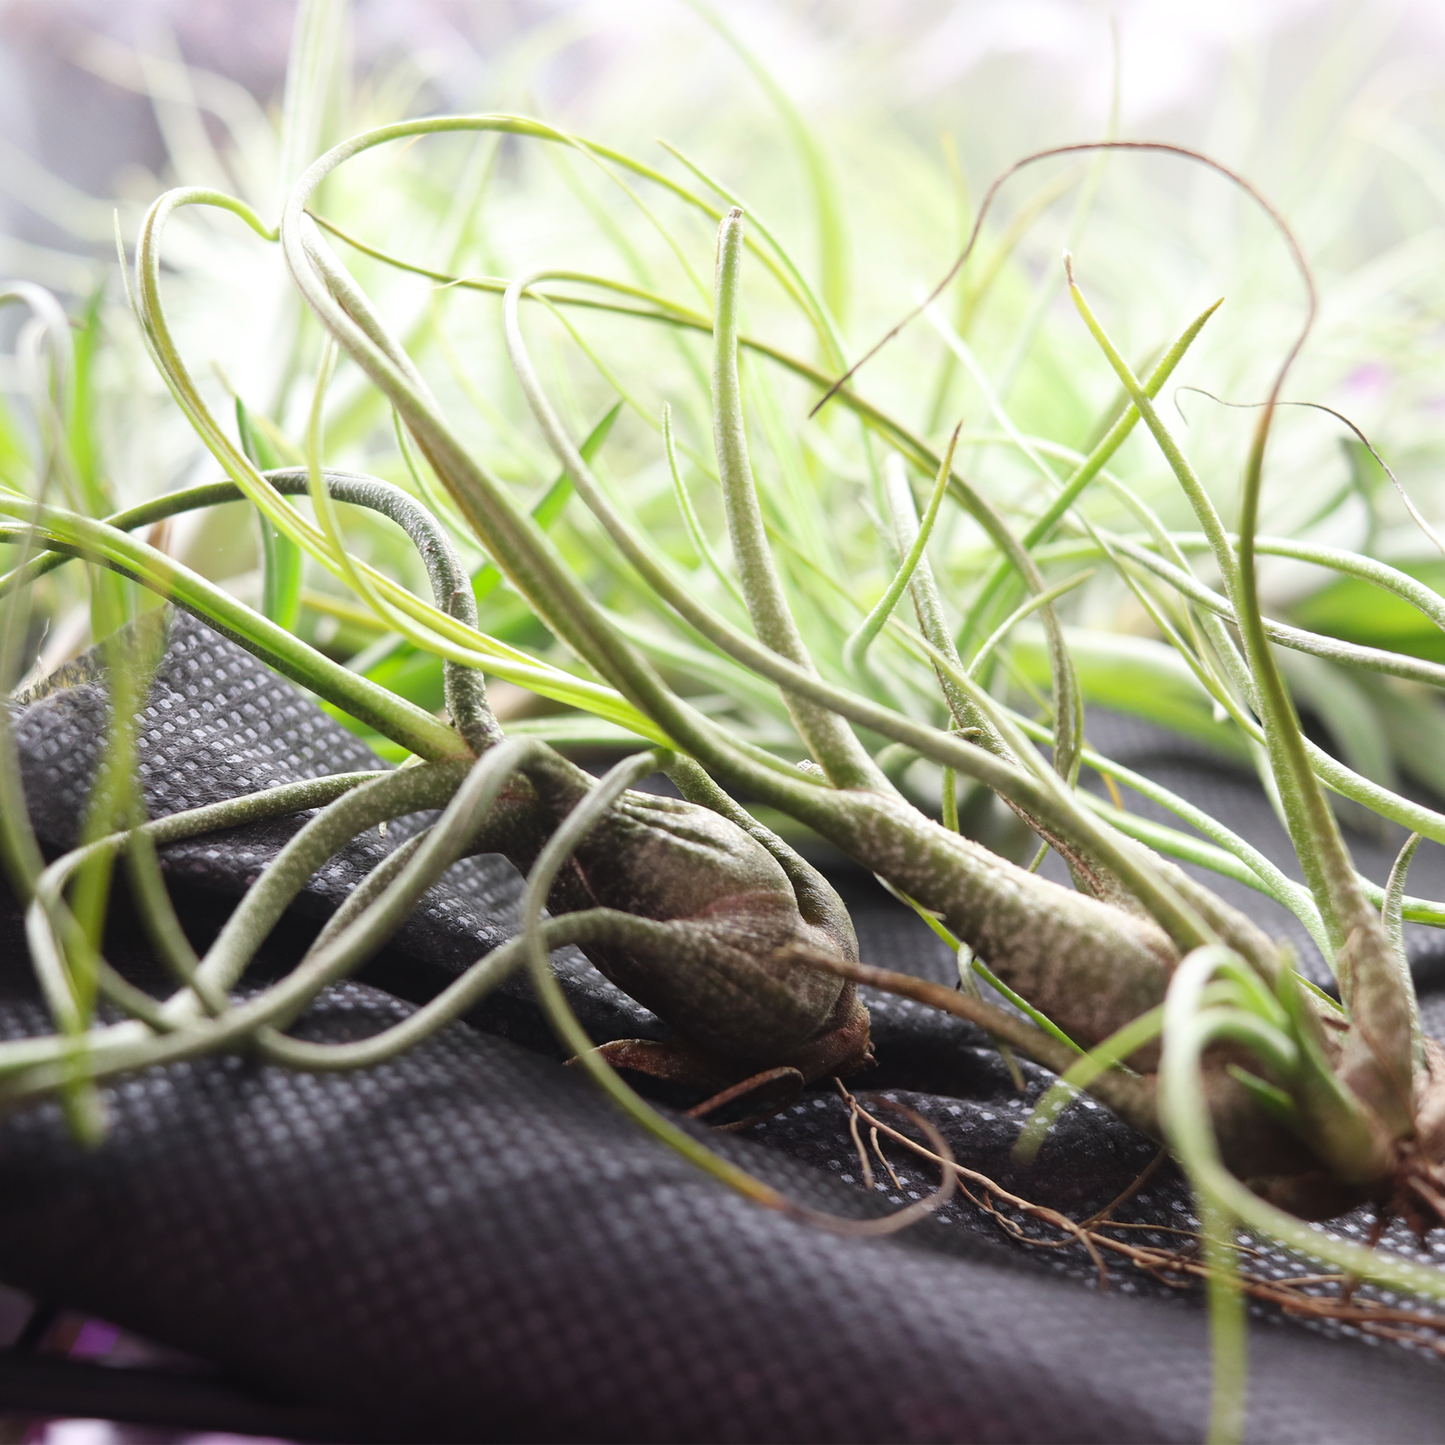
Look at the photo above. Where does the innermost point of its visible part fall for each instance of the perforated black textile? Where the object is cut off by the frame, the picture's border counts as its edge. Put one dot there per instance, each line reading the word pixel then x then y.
pixel 468 1243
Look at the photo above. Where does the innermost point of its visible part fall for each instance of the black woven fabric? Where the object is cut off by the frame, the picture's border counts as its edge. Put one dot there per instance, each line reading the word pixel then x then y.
pixel 468 1243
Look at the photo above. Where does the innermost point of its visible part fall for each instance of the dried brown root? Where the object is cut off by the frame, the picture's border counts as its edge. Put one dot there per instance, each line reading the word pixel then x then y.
pixel 697 915
pixel 1184 1268
pixel 771 1090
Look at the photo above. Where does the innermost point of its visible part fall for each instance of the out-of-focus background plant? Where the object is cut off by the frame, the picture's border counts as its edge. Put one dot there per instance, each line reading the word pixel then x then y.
pixel 863 135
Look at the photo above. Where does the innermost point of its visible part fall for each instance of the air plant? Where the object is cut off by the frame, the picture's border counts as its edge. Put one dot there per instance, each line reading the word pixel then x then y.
pixel 1137 984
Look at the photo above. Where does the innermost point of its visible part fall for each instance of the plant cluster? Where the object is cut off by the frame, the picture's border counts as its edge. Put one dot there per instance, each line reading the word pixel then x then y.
pixel 753 642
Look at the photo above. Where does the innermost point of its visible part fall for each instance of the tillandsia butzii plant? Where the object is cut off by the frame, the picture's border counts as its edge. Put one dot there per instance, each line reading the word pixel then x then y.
pixel 755 668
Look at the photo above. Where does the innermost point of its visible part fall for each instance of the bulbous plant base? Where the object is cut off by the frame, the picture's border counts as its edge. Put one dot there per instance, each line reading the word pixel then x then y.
pixel 1419 1192
pixel 1411 1187
pixel 1418 1188
pixel 1415 1194
pixel 1315 1195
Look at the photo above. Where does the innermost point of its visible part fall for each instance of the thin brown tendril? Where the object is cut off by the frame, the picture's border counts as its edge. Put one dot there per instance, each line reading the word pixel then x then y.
pixel 751 1085
pixel 852 1103
pixel 1340 417
pixel 1051 1216
pixel 1082 147
pixel 909 1214
pixel 883 1158
pixel 1101 1216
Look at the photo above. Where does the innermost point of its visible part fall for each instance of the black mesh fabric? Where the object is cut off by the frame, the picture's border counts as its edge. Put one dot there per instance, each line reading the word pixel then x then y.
pixel 468 1243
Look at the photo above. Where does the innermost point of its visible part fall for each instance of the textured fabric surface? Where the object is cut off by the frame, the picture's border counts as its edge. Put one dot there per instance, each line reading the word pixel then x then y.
pixel 468 1243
